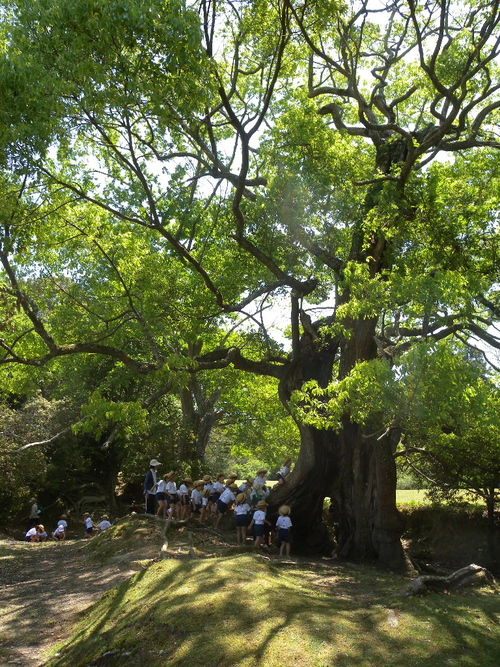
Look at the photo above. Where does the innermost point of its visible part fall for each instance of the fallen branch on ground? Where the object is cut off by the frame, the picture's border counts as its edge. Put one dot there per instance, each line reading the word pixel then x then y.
pixel 472 575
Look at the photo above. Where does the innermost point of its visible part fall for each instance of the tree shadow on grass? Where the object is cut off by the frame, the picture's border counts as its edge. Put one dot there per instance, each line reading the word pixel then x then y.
pixel 241 610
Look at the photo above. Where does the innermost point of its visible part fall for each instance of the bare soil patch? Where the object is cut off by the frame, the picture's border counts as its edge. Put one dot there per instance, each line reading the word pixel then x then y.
pixel 44 589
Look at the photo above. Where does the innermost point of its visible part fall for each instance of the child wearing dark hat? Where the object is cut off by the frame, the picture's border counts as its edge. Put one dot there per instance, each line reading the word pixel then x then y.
pixel 283 528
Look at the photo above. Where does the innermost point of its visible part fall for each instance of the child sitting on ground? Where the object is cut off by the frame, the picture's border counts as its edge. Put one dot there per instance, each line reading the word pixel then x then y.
pixel 104 523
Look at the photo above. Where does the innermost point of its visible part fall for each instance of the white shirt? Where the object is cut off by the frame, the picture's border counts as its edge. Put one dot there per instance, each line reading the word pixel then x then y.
pixel 218 487
pixel 196 496
pixel 227 496
pixel 104 524
pixel 171 488
pixel 31 531
pixel 284 522
pixel 88 522
pixel 62 523
pixel 259 480
pixel 161 486
pixel 259 517
pixel 242 508
pixel 183 490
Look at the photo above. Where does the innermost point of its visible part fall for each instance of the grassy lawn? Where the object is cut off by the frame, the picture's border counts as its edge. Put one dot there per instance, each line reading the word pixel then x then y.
pixel 245 609
pixel 411 497
pixel 418 497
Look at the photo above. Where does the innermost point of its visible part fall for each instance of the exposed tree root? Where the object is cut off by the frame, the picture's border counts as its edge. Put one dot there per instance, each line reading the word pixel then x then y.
pixel 472 575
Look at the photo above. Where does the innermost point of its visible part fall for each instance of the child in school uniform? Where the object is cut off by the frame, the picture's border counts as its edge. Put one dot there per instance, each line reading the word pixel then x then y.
pixel 207 492
pixel 196 498
pixel 241 511
pixel 183 494
pixel 246 487
pixel 285 470
pixel 227 498
pixel 33 534
pixel 283 528
pixel 260 477
pixel 104 523
pixel 89 526
pixel 171 491
pixel 161 497
pixel 217 488
pixel 59 533
pixel 259 523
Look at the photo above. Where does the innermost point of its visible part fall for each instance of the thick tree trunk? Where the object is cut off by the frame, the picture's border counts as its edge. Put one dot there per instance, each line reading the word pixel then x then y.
pixel 356 472
pixel 359 478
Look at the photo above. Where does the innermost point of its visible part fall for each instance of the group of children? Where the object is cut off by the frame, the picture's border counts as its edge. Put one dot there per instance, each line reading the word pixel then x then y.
pixel 207 498
pixel 39 534
pixel 202 499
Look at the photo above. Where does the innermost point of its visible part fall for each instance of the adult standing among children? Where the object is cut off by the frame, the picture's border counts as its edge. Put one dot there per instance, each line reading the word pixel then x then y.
pixel 35 511
pixel 150 482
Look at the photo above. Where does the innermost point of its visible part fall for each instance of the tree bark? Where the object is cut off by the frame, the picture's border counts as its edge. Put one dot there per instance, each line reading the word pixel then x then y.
pixel 357 473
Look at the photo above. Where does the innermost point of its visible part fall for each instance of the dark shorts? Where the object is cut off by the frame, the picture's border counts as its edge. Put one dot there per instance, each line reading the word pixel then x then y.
pixel 214 497
pixel 161 495
pixel 195 508
pixel 284 535
pixel 184 500
pixel 89 531
pixel 258 529
pixel 172 499
pixel 222 507
pixel 241 520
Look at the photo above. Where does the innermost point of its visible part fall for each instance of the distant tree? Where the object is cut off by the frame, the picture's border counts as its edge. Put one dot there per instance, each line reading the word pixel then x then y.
pixel 452 435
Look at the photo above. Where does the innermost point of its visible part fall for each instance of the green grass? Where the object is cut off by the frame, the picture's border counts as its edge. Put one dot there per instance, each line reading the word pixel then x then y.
pixel 418 497
pixel 244 610
pixel 412 497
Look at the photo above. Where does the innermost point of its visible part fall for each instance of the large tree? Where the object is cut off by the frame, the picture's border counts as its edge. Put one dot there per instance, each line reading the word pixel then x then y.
pixel 265 152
